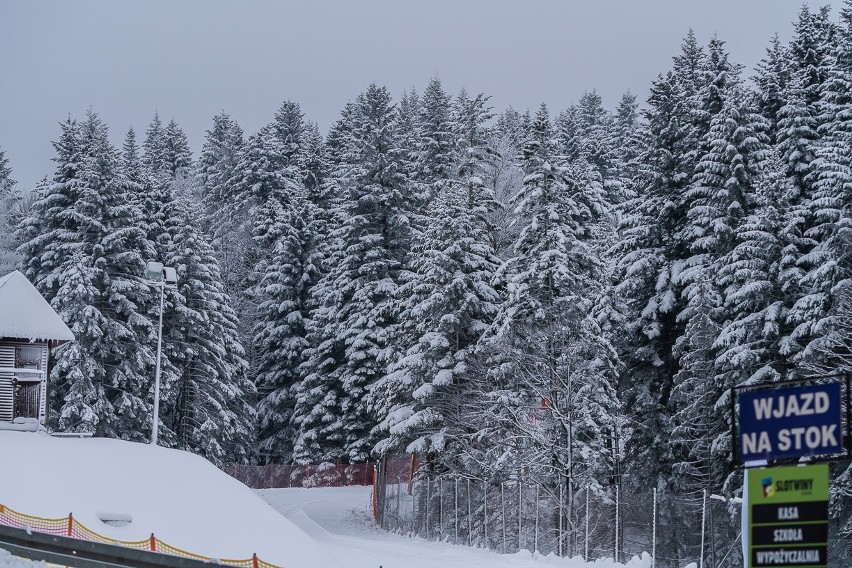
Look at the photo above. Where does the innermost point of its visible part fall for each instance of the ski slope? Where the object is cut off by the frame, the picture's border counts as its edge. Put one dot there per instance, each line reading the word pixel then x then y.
pixel 338 518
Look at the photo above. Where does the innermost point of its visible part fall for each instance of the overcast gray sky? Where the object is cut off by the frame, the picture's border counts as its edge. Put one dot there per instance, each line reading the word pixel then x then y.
pixel 190 59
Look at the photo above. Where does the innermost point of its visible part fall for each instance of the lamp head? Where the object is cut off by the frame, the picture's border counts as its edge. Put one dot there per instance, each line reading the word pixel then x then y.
pixel 154 271
pixel 170 276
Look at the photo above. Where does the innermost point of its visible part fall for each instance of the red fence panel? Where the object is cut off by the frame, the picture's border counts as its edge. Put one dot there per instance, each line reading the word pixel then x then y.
pixel 276 476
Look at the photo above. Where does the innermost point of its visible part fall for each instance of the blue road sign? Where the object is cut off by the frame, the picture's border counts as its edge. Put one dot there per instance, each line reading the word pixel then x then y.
pixel 791 422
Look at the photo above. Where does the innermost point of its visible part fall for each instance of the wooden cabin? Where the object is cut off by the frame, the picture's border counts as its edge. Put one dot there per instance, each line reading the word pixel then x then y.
pixel 29 327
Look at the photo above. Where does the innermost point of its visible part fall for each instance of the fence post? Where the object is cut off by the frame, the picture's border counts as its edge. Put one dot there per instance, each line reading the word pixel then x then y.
pixel 503 507
pixel 520 509
pixel 398 502
pixel 559 535
pixel 428 495
pixel 70 524
pixel 586 555
pixel 414 526
pixel 456 498
pixel 618 520
pixel 712 533
pixel 485 513
pixel 152 541
pixel 469 516
pixel 703 521
pixel 440 507
pixel 375 499
pixel 654 534
pixel 537 498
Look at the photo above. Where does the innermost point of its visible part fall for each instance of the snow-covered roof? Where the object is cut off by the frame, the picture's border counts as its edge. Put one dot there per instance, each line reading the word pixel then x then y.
pixel 25 314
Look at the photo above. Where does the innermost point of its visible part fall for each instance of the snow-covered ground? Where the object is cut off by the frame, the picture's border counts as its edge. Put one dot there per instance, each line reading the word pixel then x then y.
pixel 188 503
pixel 180 497
pixel 338 518
pixel 9 561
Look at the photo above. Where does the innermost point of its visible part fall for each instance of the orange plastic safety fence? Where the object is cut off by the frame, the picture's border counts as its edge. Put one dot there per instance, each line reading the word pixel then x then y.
pixel 12 518
pixel 69 526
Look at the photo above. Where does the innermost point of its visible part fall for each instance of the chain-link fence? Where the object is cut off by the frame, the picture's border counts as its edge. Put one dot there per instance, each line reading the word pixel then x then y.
pixel 276 476
pixel 273 476
pixel 675 530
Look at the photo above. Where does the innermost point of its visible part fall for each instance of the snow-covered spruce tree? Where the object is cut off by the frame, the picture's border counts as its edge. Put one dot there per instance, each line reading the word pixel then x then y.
pixel 810 49
pixel 749 344
pixel 797 138
pixel 448 303
pixel 568 132
pixel 820 341
pixel 212 413
pixel 289 128
pixel 154 156
pixel 122 252
pixel 694 399
pixel 74 372
pixel 48 232
pixel 89 212
pixel 215 173
pixel 435 150
pixel 6 181
pixel 299 229
pixel 503 175
pixel 131 159
pixel 156 186
pixel 318 439
pixel 155 194
pixel 551 370
pixel 354 328
pixel 263 174
pixel 176 154
pixel 624 141
pixel 799 116
pixel 216 166
pixel 655 245
pixel 337 140
pixel 721 196
pixel 828 263
pixel 408 130
pixel 649 258
pixel 9 213
pixel 313 163
pixel 771 80
pixel 594 125
pixel 280 332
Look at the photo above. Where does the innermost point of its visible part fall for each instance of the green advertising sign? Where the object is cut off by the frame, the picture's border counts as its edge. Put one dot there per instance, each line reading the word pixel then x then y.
pixel 788 516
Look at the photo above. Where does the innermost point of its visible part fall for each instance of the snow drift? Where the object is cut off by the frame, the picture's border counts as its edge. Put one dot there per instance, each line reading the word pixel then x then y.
pixel 180 497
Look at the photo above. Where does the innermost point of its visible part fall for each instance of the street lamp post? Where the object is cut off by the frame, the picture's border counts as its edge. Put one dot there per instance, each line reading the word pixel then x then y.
pixel 161 277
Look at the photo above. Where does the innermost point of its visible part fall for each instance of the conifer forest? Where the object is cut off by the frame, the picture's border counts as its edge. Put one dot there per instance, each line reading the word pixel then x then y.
pixel 563 294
